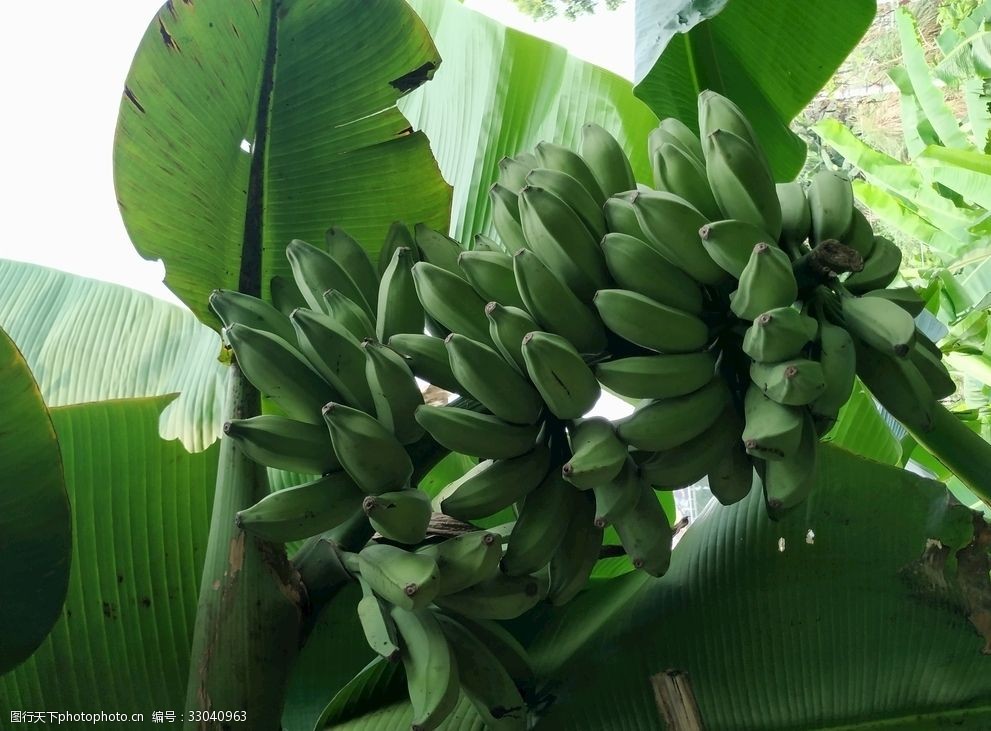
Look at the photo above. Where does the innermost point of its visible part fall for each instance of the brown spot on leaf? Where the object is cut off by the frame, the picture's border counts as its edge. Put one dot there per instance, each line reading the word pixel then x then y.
pixel 167 38
pixel 413 79
pixel 170 7
pixel 235 556
pixel 133 99
pixel 234 28
pixel 109 610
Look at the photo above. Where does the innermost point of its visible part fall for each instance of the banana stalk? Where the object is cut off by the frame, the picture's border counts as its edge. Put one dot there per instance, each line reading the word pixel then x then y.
pixel 963 451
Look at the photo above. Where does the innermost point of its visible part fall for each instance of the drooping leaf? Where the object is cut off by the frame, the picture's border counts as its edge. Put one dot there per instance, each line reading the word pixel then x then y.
pixel 769 56
pixel 87 340
pixel 35 526
pixel 141 510
pixel 862 430
pixel 966 172
pixel 245 125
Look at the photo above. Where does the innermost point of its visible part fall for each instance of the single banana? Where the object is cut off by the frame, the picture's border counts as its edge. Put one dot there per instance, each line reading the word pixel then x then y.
pixel 431 667
pixel 556 234
pixel 513 171
pixel 335 354
pixel 621 217
pixel 796 219
pixel 506 217
pixel 438 249
pixel 637 266
pixel 404 579
pixel 465 560
pixel 880 268
pixel 679 173
pixel 427 357
pixel 880 323
pixel 353 259
pixel 779 334
pixel 397 237
pixel 572 193
pixel 377 625
pixel 658 425
pixel 554 306
pixel 356 436
pixel 451 301
pixel 860 235
pixel 395 393
pixel 280 372
pixel 905 297
pixel 302 511
pixel 399 309
pixel 618 496
pixel 839 366
pixel 688 463
pixel 349 314
pixel 831 205
pixel 540 526
pixel 401 516
pixel 898 384
pixel 567 161
pixel 234 307
pixel 672 225
pixel 508 326
pixel 481 435
pixel 597 454
pixel 481 242
pixel 650 324
pixel 730 243
pixel 285 295
pixel 657 376
pixel 674 131
pixel 716 112
pixel 607 160
pixel 795 382
pixel 933 370
pixel 787 482
pixel 572 564
pixel 732 476
pixel 646 533
pixel 766 282
pixel 493 485
pixel 502 597
pixel 492 381
pixel 566 384
pixel 284 444
pixel 491 274
pixel 315 272
pixel 773 431
pixel 741 181
pixel 507 649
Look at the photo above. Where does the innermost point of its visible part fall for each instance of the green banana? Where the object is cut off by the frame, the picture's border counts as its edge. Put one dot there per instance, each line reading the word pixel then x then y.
pixel 465 560
pixel 284 444
pixel 657 376
pixel 674 131
pixel 404 579
pixel 779 334
pixel 732 477
pixel 773 431
pixel 795 382
pixel 672 225
pixel 353 258
pixel 399 308
pixel 481 242
pixel 839 366
pixel 492 381
pixel 315 272
pixel 349 314
pixel 554 306
pixel 688 463
pixel 566 384
pixel 506 217
pixel 468 432
pixel 572 564
pixel 438 249
pixel 397 237
pixel 880 268
pixel 395 392
pixel 567 161
pixel 302 511
pixel 280 372
pixel 618 496
pixel 501 597
pixel 431 667
pixel 234 307
pixel 716 112
pixel 334 353
pixel 355 436
pixel 796 218
pixel 664 424
pixel 491 274
pixel 933 371
pixel 513 172
pixel 730 243
pixel 285 295
pixel 898 384
pixel 831 205
pixel 556 234
pixel 574 196
pixel 860 235
pixel 597 454
pixel 679 173
pixel 451 301
pixel 787 482
pixel 401 516
pixel 648 323
pixel 766 282
pixel 637 266
pixel 377 625
pixel 427 357
pixel 507 327
pixel 741 181
pixel 880 323
pixel 494 484
pixel 607 160
pixel 905 297
pixel 621 217
pixel 646 534
pixel 507 649
pixel 540 526
pixel 484 680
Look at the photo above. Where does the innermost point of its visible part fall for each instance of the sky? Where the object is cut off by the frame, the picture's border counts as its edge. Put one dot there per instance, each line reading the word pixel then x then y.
pixel 66 63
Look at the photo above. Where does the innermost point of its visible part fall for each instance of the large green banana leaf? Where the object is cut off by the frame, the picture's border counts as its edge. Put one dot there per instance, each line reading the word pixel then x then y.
pixel 87 340
pixel 500 92
pixel 139 527
pixel 35 529
pixel 310 89
pixel 769 56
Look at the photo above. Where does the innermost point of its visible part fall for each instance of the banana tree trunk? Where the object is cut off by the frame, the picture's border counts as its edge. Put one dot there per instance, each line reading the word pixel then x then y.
pixel 964 452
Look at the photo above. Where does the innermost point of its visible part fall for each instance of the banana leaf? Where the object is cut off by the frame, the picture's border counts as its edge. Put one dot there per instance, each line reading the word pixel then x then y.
pixel 35 525
pixel 861 429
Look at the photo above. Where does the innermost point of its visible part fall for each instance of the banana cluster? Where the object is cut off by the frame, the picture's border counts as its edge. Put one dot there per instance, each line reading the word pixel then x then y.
pixel 735 312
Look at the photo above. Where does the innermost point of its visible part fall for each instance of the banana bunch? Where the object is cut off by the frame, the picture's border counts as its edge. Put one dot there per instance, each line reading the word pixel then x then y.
pixel 737 313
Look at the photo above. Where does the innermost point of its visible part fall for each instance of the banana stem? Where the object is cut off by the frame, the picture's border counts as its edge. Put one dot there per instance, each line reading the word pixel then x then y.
pixel 963 452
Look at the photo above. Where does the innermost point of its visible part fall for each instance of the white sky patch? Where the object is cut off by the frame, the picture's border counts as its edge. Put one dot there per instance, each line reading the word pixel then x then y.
pixel 611 407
